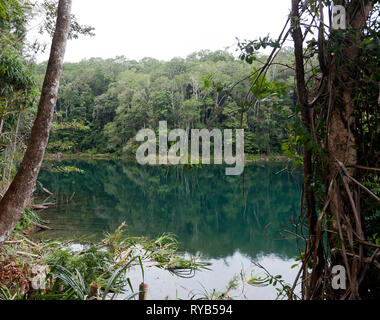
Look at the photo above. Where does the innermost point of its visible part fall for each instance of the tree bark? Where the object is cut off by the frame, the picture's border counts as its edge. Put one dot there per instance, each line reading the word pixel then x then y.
pixel 23 185
pixel 312 288
pixel 342 202
pixel 341 148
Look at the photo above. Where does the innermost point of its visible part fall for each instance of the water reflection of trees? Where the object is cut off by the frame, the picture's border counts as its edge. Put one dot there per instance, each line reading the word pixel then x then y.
pixel 203 206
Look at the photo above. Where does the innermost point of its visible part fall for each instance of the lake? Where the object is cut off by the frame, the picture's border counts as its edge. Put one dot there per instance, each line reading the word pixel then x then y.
pixel 227 220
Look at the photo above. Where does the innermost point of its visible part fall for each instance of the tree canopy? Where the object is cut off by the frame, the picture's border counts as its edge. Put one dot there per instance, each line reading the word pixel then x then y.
pixel 103 103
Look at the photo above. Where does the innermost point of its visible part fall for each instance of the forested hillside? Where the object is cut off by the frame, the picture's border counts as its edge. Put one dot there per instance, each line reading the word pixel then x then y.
pixel 102 104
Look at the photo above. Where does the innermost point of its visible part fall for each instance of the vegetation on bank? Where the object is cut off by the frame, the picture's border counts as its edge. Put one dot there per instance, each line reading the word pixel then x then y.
pixel 82 270
pixel 88 155
pixel 46 270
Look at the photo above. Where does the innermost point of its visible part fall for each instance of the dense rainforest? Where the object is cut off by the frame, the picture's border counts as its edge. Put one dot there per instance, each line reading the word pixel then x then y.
pixel 317 103
pixel 102 104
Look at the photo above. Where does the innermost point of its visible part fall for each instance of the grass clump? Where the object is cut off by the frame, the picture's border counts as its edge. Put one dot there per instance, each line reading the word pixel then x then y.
pixel 93 264
pixel 28 218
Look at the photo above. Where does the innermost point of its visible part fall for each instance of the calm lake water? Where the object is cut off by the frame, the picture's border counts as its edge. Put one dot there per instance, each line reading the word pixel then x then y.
pixel 207 210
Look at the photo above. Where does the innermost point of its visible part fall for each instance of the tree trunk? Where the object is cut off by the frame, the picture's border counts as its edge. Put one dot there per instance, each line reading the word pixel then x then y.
pixel 16 198
pixel 342 195
pixel 311 287
pixel 344 208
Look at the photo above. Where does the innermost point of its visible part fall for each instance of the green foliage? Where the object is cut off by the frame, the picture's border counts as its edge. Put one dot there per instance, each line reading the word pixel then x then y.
pixel 50 11
pixel 8 295
pixel 284 290
pixel 249 49
pixel 104 266
pixel 27 219
pixel 14 73
pixel 93 264
pixel 219 295
pixel 73 286
pixel 115 98
pixel 291 149
pixel 66 169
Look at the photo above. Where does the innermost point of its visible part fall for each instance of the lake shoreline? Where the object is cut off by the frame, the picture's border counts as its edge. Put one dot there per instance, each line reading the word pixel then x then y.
pixel 249 158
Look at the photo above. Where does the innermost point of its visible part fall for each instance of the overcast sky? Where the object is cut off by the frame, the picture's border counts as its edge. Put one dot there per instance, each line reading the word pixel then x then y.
pixel 164 29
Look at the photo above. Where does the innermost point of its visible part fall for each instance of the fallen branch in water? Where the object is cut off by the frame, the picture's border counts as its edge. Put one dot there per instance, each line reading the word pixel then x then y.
pixel 41 226
pixel 47 191
pixel 42 206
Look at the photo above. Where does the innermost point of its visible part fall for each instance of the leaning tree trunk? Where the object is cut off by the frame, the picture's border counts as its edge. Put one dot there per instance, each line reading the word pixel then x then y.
pixel 16 198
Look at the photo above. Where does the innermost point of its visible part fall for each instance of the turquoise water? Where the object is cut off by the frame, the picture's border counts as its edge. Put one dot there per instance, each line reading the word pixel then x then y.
pixel 228 220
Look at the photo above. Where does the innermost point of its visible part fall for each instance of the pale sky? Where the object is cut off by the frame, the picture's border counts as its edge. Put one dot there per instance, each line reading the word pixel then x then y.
pixel 164 29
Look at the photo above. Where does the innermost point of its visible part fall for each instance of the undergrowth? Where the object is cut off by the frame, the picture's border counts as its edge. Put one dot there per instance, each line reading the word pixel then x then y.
pixel 53 270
